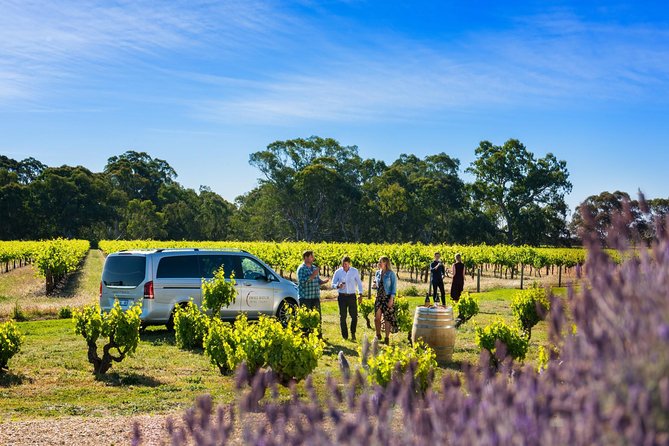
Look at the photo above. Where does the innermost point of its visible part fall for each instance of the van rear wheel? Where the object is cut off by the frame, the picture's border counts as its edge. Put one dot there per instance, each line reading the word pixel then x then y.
pixel 285 311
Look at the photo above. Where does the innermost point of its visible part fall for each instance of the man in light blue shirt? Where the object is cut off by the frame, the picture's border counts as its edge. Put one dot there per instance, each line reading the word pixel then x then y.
pixel 345 281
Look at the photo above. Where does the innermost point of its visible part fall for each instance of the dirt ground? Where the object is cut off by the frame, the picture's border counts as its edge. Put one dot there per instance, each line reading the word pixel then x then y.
pixel 103 431
pixel 82 431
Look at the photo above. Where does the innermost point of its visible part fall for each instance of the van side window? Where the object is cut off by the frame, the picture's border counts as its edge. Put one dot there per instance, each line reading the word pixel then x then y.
pixel 210 263
pixel 253 270
pixel 178 267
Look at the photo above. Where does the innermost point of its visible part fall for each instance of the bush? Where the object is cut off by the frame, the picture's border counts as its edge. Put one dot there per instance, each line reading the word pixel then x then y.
pixel 190 326
pixel 466 308
pixel 290 352
pixel 18 314
pixel 219 345
pixel 121 328
pixel 402 314
pixel 65 313
pixel 396 359
pixel 529 307
pixel 306 320
pixel 10 342
pixel 411 290
pixel 366 307
pixel 252 342
pixel 218 293
pixel 293 356
pixel 515 342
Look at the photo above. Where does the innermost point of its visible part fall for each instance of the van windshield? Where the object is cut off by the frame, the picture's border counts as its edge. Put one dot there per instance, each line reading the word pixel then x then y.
pixel 124 270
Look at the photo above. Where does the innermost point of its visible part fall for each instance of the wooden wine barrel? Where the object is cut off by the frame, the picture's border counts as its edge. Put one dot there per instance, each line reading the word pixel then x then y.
pixel 436 327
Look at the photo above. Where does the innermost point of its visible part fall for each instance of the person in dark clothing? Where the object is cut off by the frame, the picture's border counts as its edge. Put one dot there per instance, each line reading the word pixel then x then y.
pixel 458 283
pixel 437 273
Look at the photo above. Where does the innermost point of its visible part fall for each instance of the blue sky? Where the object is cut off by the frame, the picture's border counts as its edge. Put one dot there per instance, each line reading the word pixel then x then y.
pixel 204 84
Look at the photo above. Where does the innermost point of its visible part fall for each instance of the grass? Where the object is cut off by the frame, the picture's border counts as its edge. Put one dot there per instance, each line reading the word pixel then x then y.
pixel 51 377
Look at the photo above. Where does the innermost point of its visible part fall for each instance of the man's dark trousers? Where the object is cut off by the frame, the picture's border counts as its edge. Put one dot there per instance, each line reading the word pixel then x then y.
pixel 348 304
pixel 440 285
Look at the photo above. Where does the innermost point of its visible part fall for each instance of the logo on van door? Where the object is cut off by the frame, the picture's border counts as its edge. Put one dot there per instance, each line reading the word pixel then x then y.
pixel 253 299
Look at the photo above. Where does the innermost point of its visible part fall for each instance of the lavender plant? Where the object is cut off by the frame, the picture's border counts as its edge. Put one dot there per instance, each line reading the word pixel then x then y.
pixel 604 383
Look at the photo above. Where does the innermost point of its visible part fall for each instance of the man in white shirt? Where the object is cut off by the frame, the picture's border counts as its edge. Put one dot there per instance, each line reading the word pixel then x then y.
pixel 345 281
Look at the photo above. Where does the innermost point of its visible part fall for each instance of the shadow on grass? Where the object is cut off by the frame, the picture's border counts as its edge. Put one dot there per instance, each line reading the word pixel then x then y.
pixel 133 379
pixel 9 379
pixel 158 337
pixel 334 349
pixel 455 366
pixel 67 288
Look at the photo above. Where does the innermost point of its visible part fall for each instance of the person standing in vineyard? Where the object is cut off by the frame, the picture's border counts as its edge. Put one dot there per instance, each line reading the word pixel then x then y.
pixel 309 285
pixel 385 284
pixel 345 280
pixel 458 283
pixel 437 273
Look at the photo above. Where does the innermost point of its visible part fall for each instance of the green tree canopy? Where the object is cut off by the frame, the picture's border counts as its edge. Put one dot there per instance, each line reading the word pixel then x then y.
pixel 139 175
pixel 524 194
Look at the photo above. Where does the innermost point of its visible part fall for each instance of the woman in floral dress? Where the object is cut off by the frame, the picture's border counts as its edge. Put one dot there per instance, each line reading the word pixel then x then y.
pixel 384 308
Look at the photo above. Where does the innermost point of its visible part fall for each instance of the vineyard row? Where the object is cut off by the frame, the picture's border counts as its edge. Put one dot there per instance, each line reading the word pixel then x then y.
pixel 53 259
pixel 287 256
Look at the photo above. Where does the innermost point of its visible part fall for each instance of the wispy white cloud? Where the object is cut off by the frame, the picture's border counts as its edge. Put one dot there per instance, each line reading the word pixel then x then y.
pixel 295 67
pixel 43 43
pixel 552 60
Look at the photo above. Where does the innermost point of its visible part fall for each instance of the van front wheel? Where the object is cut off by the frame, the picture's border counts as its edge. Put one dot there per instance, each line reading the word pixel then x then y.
pixel 286 308
pixel 170 323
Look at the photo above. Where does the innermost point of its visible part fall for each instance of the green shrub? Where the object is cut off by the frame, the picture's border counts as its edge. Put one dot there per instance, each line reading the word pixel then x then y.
pixel 218 292
pixel 18 314
pixel 290 352
pixel 542 359
pixel 252 342
pixel 466 308
pixel 516 343
pixel 293 356
pixel 219 345
pixel 10 342
pixel 65 313
pixel 306 320
pixel 411 290
pixel 366 307
pixel 190 326
pixel 382 367
pixel 529 307
pixel 402 314
pixel 121 328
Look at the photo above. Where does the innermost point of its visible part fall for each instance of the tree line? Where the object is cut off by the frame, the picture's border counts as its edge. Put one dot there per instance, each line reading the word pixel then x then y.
pixel 311 189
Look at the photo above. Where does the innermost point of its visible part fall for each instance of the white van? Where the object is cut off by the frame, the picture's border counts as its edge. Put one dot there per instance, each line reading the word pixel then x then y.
pixel 163 279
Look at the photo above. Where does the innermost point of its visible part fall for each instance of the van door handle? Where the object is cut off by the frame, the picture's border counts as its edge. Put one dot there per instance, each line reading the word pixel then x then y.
pixel 247 284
